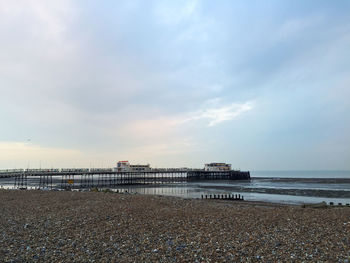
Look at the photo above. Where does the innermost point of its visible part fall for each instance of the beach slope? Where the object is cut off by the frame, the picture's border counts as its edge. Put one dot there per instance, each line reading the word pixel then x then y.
pixel 48 226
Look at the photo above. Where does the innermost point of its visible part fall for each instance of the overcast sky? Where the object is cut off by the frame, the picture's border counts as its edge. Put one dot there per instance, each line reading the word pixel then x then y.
pixel 261 85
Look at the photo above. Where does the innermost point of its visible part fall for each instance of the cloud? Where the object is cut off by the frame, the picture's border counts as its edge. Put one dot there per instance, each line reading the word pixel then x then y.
pixel 223 113
pixel 140 77
pixel 296 27
pixel 162 127
pixel 174 147
pixel 174 14
pixel 41 20
pixel 171 136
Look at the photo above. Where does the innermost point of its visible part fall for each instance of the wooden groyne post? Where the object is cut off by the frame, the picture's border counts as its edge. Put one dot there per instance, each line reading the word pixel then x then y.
pixel 223 197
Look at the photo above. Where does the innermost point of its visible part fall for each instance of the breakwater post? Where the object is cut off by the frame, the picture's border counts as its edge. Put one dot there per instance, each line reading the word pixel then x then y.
pixel 223 197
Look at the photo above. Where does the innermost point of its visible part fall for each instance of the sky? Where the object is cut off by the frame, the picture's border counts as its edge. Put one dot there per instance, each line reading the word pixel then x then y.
pixel 263 85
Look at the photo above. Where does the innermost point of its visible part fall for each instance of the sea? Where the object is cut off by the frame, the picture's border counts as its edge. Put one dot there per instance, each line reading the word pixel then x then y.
pixel 285 187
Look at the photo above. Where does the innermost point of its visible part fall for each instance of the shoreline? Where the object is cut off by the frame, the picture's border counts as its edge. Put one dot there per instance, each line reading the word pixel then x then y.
pixel 277 192
pixel 239 202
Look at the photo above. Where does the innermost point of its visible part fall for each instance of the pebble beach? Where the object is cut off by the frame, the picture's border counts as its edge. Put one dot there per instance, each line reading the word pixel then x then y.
pixel 67 226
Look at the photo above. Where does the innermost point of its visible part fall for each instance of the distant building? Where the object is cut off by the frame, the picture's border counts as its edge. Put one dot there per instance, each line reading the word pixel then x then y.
pixel 125 166
pixel 217 167
pixel 140 168
pixel 122 166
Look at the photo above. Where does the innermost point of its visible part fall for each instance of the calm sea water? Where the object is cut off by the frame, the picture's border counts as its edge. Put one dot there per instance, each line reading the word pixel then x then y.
pixel 292 187
pixel 302 174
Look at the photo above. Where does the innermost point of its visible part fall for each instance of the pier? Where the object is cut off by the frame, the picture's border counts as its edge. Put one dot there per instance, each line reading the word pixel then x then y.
pixel 90 178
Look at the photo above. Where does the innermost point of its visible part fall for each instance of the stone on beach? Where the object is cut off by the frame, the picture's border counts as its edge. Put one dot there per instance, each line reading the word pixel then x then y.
pixel 49 226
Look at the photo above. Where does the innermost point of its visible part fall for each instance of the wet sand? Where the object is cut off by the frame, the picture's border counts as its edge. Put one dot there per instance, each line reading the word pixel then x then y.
pixel 48 226
pixel 309 189
pixel 279 191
